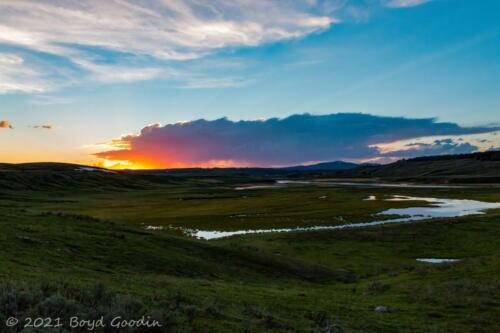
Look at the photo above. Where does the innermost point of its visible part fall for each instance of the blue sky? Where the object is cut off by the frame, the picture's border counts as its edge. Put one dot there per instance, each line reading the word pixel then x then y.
pixel 146 62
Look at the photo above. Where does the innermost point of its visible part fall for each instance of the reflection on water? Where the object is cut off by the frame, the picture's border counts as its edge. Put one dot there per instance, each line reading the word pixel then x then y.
pixel 281 183
pixel 276 184
pixel 438 208
pixel 95 169
pixel 255 187
pixel 397 185
pixel 154 227
pixel 437 260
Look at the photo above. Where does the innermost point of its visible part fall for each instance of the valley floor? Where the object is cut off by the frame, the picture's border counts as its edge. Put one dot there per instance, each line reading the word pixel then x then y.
pixel 89 252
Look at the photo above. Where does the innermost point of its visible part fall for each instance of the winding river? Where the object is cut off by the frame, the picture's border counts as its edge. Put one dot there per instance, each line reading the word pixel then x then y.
pixel 438 208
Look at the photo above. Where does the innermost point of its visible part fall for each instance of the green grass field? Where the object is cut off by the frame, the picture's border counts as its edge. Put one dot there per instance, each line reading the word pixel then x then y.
pixel 84 249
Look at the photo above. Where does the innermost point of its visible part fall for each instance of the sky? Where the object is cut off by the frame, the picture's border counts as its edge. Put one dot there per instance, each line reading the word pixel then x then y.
pixel 171 83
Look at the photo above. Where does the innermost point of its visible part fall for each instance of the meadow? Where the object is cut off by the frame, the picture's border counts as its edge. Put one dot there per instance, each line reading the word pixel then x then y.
pixel 86 249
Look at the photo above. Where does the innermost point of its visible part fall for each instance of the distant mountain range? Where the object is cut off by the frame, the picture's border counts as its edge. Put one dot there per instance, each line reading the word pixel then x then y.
pixel 336 165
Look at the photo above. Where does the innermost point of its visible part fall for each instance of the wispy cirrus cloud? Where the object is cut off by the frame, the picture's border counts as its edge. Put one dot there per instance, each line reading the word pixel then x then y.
pixel 174 30
pixel 124 40
pixel 278 142
pixel 405 3
pixel 17 76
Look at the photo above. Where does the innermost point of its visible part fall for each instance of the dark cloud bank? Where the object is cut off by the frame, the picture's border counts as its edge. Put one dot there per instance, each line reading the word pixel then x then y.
pixel 293 140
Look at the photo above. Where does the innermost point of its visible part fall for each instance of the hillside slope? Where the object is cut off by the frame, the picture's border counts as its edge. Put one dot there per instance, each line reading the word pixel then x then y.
pixel 467 168
pixel 45 176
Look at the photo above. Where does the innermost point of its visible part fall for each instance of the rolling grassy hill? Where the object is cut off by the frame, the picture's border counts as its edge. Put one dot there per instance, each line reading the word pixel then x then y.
pixel 39 176
pixel 476 167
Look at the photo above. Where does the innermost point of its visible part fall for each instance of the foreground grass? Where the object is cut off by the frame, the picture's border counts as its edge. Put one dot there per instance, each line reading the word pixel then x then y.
pixel 86 253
